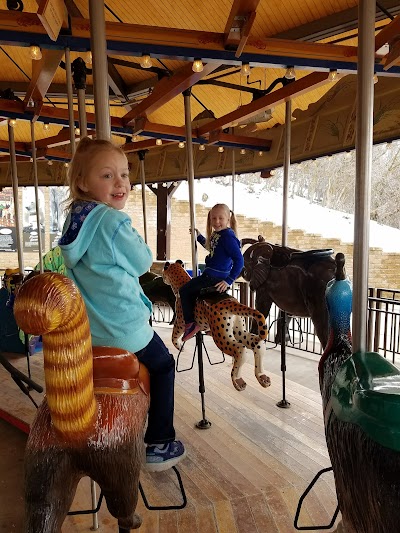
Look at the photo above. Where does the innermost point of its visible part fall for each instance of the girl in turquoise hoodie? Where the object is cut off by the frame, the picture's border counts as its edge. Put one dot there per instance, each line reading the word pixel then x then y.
pixel 105 256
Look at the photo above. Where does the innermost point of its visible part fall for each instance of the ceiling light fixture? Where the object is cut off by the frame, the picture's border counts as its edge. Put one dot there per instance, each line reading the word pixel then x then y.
pixel 242 151
pixel 245 70
pixel 290 73
pixel 260 153
pixel 220 149
pixel 158 142
pixel 181 144
pixel 66 164
pixel 46 126
pixel 12 122
pixel 202 147
pixel 77 131
pixel 164 184
pixel 31 103
pixel 333 74
pixel 49 162
pixel 197 65
pixel 145 61
pixel 35 52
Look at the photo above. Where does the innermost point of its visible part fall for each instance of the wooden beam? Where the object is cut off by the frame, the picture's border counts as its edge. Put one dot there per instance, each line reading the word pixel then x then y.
pixel 117 85
pixel 245 33
pixel 43 72
pixel 392 58
pixel 61 139
pixel 167 89
pixel 20 146
pixel 388 33
pixel 305 84
pixel 142 145
pixel 266 51
pixel 239 140
pixel 242 15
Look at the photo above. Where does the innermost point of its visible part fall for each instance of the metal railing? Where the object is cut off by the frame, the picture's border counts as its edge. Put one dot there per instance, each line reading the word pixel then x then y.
pixel 383 322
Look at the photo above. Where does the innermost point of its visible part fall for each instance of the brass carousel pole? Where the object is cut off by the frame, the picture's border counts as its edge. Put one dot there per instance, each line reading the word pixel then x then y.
pixel 286 168
pixel 14 175
pixel 203 423
pixel 142 155
pixel 36 186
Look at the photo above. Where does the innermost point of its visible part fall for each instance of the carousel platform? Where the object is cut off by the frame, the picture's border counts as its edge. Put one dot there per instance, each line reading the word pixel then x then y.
pixel 245 474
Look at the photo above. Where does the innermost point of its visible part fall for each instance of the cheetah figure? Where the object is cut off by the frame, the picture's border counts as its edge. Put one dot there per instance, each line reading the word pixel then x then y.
pixel 225 319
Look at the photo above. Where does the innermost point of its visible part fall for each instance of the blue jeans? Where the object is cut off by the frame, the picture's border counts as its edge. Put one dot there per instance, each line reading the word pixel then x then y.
pixel 161 366
pixel 190 291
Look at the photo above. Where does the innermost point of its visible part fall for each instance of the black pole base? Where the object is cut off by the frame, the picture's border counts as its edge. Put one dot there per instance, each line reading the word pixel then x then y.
pixel 283 404
pixel 203 424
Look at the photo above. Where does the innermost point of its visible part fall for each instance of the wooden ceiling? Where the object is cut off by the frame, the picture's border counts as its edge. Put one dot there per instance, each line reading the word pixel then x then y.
pixel 314 36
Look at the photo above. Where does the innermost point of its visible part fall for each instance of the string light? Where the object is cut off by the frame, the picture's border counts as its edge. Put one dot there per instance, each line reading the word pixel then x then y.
pixel 77 131
pixel 46 126
pixel 31 103
pixel 31 159
pixel 135 138
pixel 197 65
pixel 242 151
pixel 12 122
pixel 66 164
pixel 290 73
pixel 220 149
pixel 260 153
pixel 164 184
pixel 333 74
pixel 175 184
pixel 158 142
pixel 272 172
pixel 245 70
pixel 181 144
pixel 375 78
pixel 145 61
pixel 49 162
pixel 35 52
pixel 202 147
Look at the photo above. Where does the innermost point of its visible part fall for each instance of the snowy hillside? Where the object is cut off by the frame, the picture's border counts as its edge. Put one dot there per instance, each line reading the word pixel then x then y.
pixel 311 218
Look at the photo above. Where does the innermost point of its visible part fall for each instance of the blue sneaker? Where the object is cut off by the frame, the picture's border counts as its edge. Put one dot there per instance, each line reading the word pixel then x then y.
pixel 161 458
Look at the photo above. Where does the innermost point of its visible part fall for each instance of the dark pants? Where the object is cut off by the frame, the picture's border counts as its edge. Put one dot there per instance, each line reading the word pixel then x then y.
pixel 190 291
pixel 161 366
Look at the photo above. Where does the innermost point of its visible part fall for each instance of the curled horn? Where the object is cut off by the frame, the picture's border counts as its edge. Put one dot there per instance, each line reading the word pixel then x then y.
pixel 249 240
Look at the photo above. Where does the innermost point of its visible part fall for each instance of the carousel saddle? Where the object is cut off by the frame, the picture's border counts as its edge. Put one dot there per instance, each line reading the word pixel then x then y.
pixel 366 392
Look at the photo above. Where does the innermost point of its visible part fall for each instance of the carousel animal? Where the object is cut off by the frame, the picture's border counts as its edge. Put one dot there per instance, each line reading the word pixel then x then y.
pixel 361 402
pixel 157 290
pixel 224 317
pixel 91 420
pixel 294 280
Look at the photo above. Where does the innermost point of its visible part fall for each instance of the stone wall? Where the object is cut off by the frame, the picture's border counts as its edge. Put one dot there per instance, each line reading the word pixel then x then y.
pixel 383 267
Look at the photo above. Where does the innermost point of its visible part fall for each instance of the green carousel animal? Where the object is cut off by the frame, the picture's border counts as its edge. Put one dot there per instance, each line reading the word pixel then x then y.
pixel 361 401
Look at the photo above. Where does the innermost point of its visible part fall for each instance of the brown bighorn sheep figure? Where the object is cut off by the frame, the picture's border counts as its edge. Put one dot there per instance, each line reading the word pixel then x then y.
pixel 294 280
pixel 91 420
pixel 361 401
pixel 224 317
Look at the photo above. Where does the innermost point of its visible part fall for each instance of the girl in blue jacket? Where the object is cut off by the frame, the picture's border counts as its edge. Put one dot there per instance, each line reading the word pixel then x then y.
pixel 224 263
pixel 105 256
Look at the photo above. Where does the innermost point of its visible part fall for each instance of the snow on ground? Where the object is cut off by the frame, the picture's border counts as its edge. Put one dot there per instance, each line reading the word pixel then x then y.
pixel 302 214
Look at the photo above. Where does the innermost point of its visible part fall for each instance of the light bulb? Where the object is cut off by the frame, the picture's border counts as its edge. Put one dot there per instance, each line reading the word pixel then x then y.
pixel 220 149
pixel 242 151
pixel 202 147
pixel 181 144
pixel 89 59
pixel 375 78
pixel 332 75
pixel 175 184
pixel 164 184
pixel 197 65
pixel 35 52
pixel 31 103
pixel 77 131
pixel 31 159
pixel 49 162
pixel 158 142
pixel 245 70
pixel 46 126
pixel 145 61
pixel 290 73
pixel 260 153
pixel 12 122
pixel 66 164
pixel 135 138
pixel 272 172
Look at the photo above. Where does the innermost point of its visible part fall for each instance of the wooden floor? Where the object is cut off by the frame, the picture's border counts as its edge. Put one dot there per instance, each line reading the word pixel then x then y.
pixel 245 474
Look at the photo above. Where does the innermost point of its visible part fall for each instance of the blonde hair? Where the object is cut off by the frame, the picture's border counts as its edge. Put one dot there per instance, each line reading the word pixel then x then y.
pixel 86 150
pixel 232 221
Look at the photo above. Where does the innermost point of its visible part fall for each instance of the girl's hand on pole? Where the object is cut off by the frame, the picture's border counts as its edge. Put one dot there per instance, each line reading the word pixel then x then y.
pixel 195 230
pixel 221 286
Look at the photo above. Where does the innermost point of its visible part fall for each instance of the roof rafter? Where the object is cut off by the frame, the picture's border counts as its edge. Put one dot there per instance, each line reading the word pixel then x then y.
pixel 240 21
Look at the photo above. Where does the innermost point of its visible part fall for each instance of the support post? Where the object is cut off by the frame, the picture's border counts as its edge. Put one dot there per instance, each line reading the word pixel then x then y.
pixel 286 167
pixel 70 99
pixel 203 423
pixel 79 74
pixel 364 138
pixel 14 176
pixel 142 155
pixel 36 185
